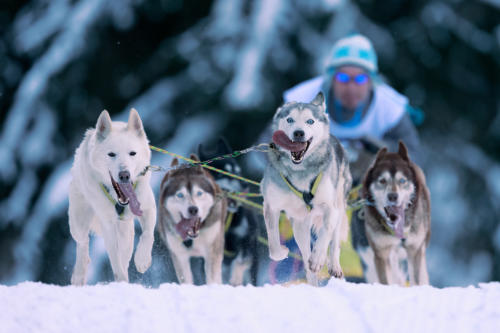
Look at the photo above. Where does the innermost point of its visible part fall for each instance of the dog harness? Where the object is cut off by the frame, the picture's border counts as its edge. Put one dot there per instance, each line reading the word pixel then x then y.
pixel 229 220
pixel 119 208
pixel 305 196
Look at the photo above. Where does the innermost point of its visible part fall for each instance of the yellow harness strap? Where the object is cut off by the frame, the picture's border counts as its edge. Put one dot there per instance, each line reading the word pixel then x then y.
pixel 305 196
pixel 229 219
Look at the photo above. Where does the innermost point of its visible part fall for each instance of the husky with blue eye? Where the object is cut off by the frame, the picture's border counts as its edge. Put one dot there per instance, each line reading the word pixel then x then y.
pixel 308 178
pixel 397 220
pixel 191 215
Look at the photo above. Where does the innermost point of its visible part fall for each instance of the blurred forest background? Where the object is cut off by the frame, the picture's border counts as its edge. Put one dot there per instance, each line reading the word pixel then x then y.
pixel 199 69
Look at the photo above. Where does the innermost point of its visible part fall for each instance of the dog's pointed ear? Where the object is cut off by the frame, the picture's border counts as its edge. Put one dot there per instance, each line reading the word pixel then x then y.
pixel 103 126
pixel 175 162
pixel 319 100
pixel 403 151
pixel 194 157
pixel 197 168
pixel 135 123
pixel 223 147
pixel 380 154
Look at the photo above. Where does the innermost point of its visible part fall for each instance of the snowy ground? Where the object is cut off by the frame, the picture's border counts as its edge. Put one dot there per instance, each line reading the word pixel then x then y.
pixel 337 307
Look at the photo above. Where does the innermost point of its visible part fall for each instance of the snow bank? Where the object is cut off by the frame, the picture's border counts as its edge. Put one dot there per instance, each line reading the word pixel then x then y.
pixel 339 306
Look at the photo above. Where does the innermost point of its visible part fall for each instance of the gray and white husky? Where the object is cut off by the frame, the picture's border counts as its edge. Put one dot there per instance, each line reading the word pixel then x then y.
pixel 397 223
pixel 308 178
pixel 191 215
pixel 109 188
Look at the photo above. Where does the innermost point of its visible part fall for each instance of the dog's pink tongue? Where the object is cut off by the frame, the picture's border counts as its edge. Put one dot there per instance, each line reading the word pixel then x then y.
pixel 397 216
pixel 281 139
pixel 398 229
pixel 185 226
pixel 128 190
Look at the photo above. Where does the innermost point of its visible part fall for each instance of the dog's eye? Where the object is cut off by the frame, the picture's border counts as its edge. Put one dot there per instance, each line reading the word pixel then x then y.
pixel 310 121
pixel 290 120
pixel 383 181
pixel 199 193
pixel 179 195
pixel 111 154
pixel 402 181
pixel 132 153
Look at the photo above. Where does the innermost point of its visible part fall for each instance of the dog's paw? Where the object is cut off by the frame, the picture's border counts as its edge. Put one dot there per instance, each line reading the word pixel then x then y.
pixel 279 254
pixel 316 261
pixel 78 280
pixel 336 273
pixel 142 259
pixel 334 269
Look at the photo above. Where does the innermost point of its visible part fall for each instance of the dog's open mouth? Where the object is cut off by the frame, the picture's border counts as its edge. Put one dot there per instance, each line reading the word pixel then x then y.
pixel 297 148
pixel 396 219
pixel 189 227
pixel 298 156
pixel 126 195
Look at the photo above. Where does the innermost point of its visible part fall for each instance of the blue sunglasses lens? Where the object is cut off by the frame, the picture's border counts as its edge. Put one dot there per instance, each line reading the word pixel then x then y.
pixel 342 77
pixel 361 78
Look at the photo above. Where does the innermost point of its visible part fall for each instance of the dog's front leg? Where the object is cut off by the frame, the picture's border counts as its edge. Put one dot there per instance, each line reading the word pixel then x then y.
pixel 79 227
pixel 213 264
pixel 182 267
pixel 417 266
pixel 334 268
pixel 302 235
pixel 238 268
pixel 383 264
pixel 321 226
pixel 119 240
pixel 277 251
pixel 142 258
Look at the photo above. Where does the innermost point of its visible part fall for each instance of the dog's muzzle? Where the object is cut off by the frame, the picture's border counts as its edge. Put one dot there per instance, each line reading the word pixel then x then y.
pixel 189 228
pixel 125 192
pixel 396 219
pixel 297 148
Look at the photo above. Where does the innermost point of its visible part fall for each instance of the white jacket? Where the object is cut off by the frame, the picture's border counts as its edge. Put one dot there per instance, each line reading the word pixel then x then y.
pixel 385 111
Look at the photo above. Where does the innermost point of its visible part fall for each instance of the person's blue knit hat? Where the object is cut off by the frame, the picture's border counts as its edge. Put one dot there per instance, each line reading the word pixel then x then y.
pixel 353 50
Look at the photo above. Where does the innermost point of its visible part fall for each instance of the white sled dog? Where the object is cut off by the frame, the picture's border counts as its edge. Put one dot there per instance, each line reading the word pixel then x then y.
pixel 191 215
pixel 397 223
pixel 308 178
pixel 109 188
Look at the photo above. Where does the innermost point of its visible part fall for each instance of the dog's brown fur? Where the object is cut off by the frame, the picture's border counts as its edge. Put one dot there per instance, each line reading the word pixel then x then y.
pixel 417 222
pixel 210 242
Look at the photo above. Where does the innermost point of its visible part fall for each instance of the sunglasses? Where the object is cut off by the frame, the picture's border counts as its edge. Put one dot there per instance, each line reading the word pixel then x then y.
pixel 359 79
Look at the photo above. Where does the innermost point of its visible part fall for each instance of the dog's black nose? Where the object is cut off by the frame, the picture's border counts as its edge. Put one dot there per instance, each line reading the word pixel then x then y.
pixel 298 135
pixel 192 210
pixel 124 176
pixel 392 197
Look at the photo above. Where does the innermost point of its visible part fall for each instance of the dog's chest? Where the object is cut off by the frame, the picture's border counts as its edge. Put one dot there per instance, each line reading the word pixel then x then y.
pixel 296 201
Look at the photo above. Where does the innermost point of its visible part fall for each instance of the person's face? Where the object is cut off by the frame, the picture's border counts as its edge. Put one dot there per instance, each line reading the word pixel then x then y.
pixel 351 86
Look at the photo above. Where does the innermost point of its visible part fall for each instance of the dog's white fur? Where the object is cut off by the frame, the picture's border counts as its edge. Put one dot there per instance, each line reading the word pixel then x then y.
pixel 328 217
pixel 90 209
